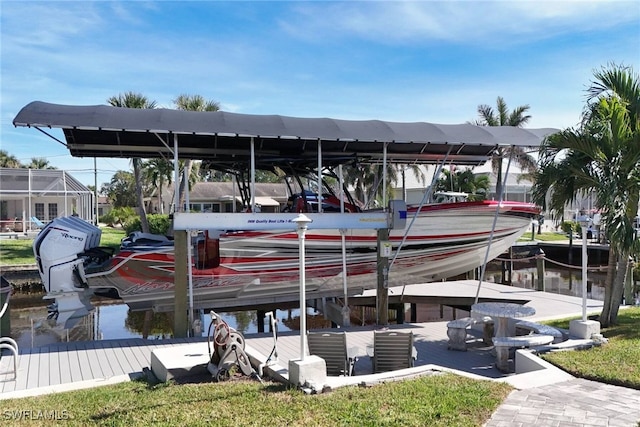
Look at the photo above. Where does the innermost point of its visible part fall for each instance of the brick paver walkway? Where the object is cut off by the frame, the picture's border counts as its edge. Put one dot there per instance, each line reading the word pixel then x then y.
pixel 576 402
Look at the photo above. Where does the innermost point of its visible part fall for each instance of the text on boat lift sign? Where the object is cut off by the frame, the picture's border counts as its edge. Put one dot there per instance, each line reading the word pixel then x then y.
pixel 395 218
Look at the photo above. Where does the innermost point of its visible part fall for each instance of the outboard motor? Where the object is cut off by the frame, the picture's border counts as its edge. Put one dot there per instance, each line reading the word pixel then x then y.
pixel 59 249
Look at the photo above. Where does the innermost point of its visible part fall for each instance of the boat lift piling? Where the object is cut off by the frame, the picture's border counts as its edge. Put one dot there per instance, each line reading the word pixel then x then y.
pixel 382 294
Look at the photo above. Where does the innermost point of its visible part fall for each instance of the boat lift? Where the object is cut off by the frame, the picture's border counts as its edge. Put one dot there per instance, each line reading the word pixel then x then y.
pixel 231 138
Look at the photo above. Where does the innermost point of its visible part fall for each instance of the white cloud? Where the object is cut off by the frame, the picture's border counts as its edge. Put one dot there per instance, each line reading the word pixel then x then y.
pixel 46 24
pixel 483 23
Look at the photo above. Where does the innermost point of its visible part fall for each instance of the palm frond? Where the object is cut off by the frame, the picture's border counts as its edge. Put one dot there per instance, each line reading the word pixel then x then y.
pixel 503 112
pixel 487 116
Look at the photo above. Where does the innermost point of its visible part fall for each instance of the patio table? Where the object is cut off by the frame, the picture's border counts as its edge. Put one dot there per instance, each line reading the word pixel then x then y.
pixel 502 312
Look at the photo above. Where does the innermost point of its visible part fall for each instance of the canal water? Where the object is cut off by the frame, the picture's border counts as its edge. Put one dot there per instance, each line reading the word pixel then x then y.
pixel 113 319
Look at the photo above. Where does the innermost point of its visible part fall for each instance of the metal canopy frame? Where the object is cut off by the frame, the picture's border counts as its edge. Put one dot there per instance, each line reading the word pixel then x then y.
pixel 225 138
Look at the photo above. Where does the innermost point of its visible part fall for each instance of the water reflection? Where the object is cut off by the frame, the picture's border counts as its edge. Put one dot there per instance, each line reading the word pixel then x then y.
pixel 114 320
pixel 149 324
pixel 564 282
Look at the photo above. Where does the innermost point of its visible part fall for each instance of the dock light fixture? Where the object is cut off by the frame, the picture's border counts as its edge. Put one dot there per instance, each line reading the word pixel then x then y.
pixel 302 222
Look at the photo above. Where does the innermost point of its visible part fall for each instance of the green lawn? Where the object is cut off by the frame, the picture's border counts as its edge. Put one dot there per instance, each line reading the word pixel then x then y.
pixel 111 237
pixel 16 252
pixel 436 400
pixel 617 362
pixel 543 237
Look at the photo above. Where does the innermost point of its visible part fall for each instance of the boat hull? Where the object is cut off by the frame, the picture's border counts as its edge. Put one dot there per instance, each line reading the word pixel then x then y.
pixel 262 268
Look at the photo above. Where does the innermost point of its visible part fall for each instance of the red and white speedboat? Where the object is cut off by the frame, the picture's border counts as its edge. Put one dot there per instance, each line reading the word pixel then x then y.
pixel 262 267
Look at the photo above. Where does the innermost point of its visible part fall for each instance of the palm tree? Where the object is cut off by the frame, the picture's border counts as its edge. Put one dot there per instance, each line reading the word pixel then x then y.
pixel 9 161
pixel 601 156
pixel 158 172
pixel 502 117
pixel 366 179
pixel 191 103
pixel 120 189
pixel 477 186
pixel 193 172
pixel 362 177
pixel 39 163
pixel 135 100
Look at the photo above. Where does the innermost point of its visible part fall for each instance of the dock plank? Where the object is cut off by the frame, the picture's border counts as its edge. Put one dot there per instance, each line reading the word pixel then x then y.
pixel 54 368
pixel 122 359
pixel 6 367
pixel 85 367
pixel 74 364
pixel 33 378
pixel 100 357
pixel 111 357
pixel 141 353
pixel 94 355
pixel 23 372
pixel 65 363
pixel 94 362
pixel 44 368
pixel 65 366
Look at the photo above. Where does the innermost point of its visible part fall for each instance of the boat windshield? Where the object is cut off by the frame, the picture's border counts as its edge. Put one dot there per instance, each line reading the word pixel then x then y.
pixel 450 197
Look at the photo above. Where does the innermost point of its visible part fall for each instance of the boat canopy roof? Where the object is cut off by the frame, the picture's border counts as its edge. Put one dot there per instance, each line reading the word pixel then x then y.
pixel 224 138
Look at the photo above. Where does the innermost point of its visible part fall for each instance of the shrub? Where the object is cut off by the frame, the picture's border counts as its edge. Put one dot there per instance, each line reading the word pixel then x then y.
pixel 158 224
pixel 106 219
pixel 570 227
pixel 118 216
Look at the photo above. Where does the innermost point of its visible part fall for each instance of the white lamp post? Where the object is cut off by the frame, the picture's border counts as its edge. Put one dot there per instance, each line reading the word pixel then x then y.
pixel 584 329
pixel 584 221
pixel 302 221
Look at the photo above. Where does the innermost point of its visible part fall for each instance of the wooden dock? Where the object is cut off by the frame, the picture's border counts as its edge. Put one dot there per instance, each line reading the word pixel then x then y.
pixel 67 366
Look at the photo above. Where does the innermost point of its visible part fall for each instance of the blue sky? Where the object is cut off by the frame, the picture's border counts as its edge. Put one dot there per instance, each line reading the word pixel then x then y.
pixel 390 60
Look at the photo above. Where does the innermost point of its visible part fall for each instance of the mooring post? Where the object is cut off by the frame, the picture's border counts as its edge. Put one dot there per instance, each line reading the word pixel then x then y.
pixel 260 320
pixel 541 271
pixel 472 274
pixel 400 310
pixel 570 254
pixel 510 266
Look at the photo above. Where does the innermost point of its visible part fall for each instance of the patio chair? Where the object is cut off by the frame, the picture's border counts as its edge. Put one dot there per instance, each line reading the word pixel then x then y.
pixel 392 351
pixel 37 223
pixel 7 343
pixel 332 347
